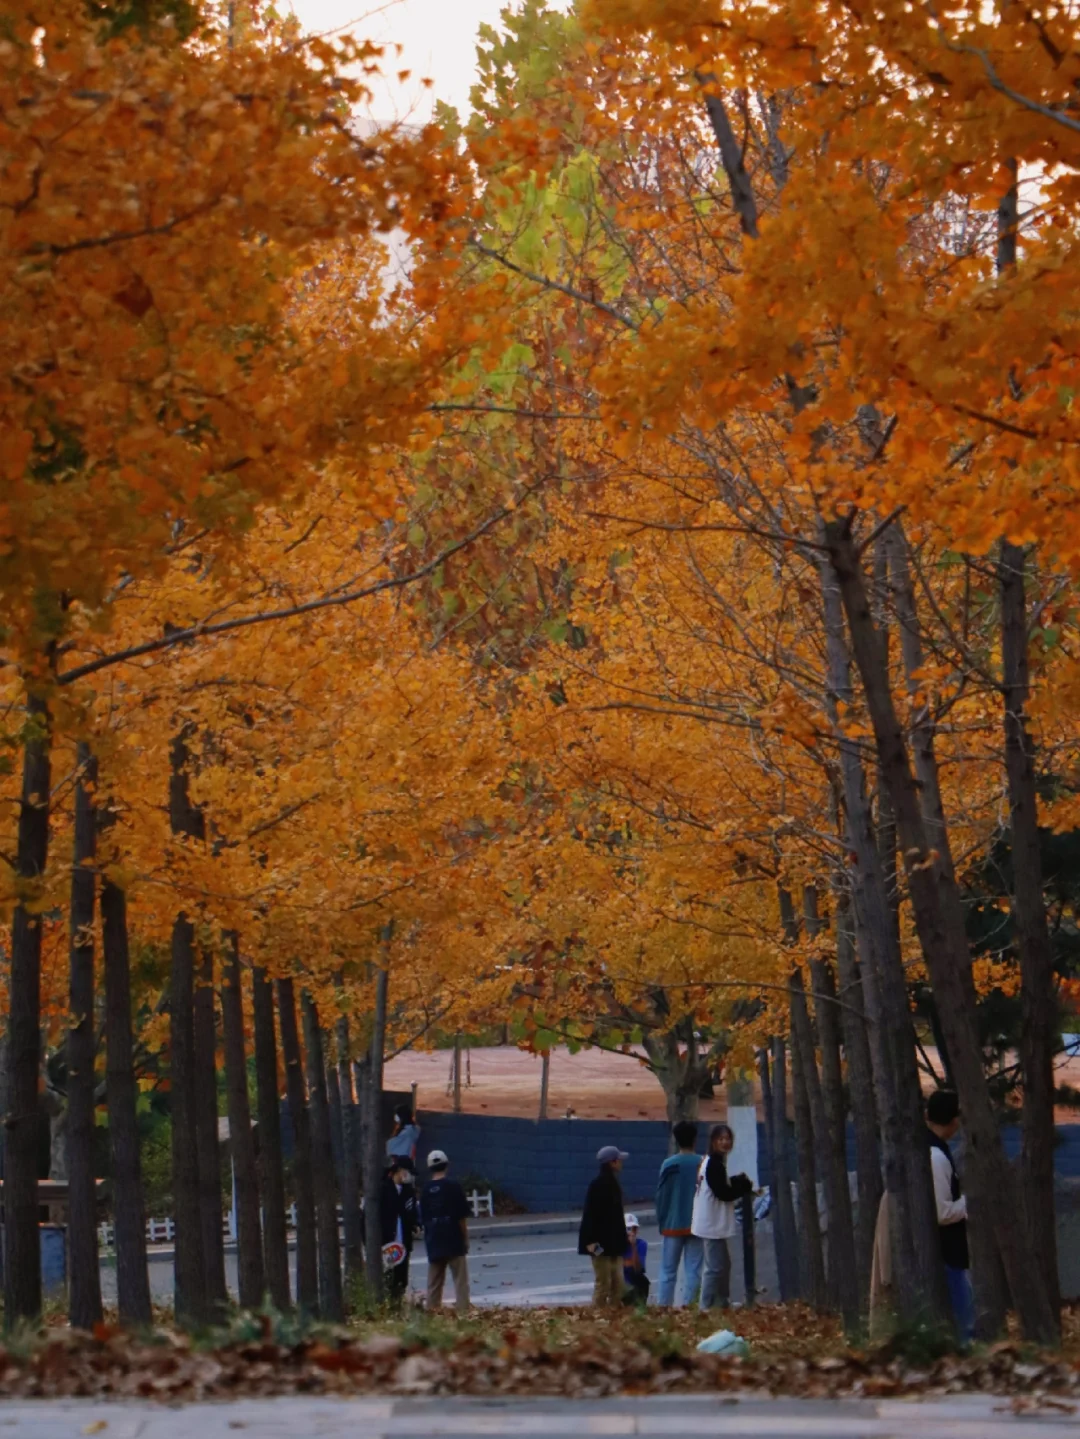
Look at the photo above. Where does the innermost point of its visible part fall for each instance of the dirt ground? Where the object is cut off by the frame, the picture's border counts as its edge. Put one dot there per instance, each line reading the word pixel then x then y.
pixel 506 1081
pixel 596 1085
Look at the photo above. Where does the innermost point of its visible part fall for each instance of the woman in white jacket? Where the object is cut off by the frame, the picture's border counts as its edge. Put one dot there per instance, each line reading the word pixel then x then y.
pixel 714 1216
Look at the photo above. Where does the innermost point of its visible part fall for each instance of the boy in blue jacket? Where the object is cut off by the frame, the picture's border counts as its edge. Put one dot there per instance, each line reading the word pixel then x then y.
pixel 674 1213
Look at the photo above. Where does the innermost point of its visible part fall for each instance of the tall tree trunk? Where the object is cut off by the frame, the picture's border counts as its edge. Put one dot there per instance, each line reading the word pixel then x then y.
pixel 919 1278
pixel 307 1250
pixel 807 1145
pixel 191 1301
pixel 545 1076
pixel 337 1118
pixel 861 1089
pixel 121 1097
pixel 350 1168
pixel 787 1250
pixel 457 1074
pixel 22 1254
pixel 373 1151
pixel 206 1137
pixel 251 1278
pixel 84 1267
pixel 940 924
pixel 986 1266
pixel 829 1100
pixel 1038 999
pixel 331 1302
pixel 192 1298
pixel 271 1162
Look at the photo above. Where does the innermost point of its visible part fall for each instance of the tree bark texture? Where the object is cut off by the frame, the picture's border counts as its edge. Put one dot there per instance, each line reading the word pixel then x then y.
pixel 1038 996
pixel 307 1249
pixel 373 1150
pixel 331 1301
pixel 250 1273
pixel 271 1161
pixel 787 1256
pixel 22 1242
pixel 350 1144
pixel 206 1137
pixel 940 925
pixel 83 1263
pixel 121 1098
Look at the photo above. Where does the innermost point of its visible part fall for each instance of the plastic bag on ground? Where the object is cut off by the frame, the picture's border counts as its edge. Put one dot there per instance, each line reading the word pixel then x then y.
pixel 727 1343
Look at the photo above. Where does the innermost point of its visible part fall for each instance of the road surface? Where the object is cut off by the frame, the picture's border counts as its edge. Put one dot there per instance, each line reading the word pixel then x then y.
pixel 512 1269
pixel 692 1417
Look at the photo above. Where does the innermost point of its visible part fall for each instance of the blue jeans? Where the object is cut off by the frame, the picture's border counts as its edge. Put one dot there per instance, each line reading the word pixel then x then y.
pixel 716 1278
pixel 691 1251
pixel 962 1302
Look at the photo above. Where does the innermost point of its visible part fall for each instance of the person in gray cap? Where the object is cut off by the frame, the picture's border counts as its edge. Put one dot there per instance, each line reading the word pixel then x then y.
pixel 602 1235
pixel 444 1213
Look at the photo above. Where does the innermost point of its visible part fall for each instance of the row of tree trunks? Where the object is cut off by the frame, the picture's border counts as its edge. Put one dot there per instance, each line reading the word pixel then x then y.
pixel 940 926
pixel 84 1267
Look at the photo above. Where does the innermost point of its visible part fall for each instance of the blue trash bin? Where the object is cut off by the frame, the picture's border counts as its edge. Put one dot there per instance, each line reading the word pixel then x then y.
pixel 53 1259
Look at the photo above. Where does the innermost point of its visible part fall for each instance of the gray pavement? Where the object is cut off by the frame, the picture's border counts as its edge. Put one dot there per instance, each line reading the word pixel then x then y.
pixel 509 1264
pixel 696 1417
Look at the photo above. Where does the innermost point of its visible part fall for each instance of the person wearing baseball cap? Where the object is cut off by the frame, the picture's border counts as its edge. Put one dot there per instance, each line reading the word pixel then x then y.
pixel 444 1213
pixel 602 1235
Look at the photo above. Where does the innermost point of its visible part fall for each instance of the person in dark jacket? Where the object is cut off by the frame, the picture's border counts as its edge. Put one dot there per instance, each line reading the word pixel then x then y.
pixel 444 1213
pixel 602 1235
pixel 399 1218
pixel 942 1122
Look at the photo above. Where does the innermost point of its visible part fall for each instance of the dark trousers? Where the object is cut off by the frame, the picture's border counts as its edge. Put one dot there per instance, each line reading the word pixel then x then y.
pixel 397 1281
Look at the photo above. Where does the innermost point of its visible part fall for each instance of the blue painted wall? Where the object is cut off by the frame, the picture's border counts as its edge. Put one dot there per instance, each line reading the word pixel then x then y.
pixel 546 1166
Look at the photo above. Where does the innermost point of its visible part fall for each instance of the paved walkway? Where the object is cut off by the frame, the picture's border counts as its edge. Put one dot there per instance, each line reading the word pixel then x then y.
pixel 697 1417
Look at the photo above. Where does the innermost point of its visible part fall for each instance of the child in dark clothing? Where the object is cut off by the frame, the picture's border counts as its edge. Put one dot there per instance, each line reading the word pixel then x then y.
pixel 637 1281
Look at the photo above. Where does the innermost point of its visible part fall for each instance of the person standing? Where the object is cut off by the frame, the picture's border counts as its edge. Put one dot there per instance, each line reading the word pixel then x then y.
pixel 444 1213
pixel 602 1235
pixel 942 1122
pixel 675 1192
pixel 713 1219
pixel 399 1220
pixel 405 1134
